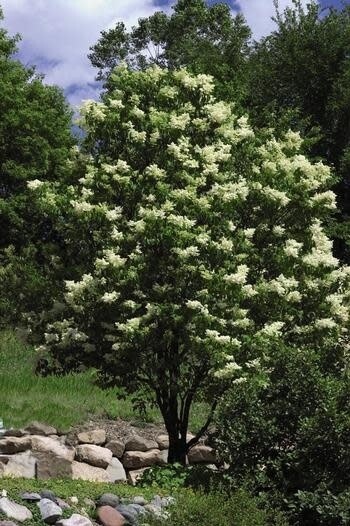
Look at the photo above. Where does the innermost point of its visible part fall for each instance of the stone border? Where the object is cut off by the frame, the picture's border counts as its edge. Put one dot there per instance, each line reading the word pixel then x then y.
pixel 38 451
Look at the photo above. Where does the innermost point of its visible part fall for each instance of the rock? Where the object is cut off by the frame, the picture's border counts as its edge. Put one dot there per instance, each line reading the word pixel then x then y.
pixel 15 433
pixel 11 445
pixel 117 447
pixel 129 514
pixel 141 501
pixel 74 500
pixel 108 499
pixel 83 471
pixel 75 520
pixel 137 508
pixel 94 455
pixel 15 511
pixel 48 494
pixel 51 466
pixel 7 523
pixel 201 453
pixel 163 441
pixel 37 428
pixel 109 516
pixel 142 459
pixel 89 503
pixel 137 443
pixel 62 504
pixel 30 497
pixel 135 475
pixel 116 471
pixel 164 455
pixel 154 510
pixel 157 501
pixel 96 436
pixel 21 465
pixel 168 501
pixel 50 512
pixel 50 445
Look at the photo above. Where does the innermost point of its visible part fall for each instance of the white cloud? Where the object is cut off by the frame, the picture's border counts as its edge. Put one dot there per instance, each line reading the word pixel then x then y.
pixel 258 14
pixel 57 34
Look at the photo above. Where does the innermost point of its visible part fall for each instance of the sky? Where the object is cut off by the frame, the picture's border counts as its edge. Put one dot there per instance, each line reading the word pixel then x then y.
pixel 57 34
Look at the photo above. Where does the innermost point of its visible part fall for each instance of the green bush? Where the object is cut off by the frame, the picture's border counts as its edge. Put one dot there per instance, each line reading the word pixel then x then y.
pixel 291 437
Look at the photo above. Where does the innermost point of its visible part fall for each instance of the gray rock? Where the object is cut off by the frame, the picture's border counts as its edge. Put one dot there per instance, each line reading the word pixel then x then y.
pixel 11 445
pixel 163 441
pixel 50 512
pixel 168 501
pixel 201 453
pixel 48 494
pixel 137 443
pixel 30 497
pixel 97 456
pixel 37 428
pixel 75 520
pixel 96 436
pixel 135 474
pixel 50 445
pixel 128 513
pixel 117 447
pixel 137 508
pixel 83 471
pixel 7 523
pixel 15 511
pixel 154 510
pixel 141 501
pixel 142 459
pixel 116 471
pixel 21 465
pixel 52 466
pixel 108 499
pixel 15 433
pixel 62 504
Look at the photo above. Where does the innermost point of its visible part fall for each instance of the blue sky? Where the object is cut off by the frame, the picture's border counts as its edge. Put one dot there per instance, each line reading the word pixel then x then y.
pixel 57 34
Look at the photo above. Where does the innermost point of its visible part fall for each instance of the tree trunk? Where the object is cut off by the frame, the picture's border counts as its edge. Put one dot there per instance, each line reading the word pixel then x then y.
pixel 177 450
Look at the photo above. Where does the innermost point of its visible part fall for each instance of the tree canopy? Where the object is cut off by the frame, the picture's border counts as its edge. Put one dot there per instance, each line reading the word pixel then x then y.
pixel 209 245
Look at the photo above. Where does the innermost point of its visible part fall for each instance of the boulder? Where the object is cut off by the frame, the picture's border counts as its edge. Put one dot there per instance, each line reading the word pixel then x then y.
pixel 108 499
pixel 117 447
pixel 129 514
pixel 50 466
pixel 137 443
pixel 50 445
pixel 15 511
pixel 30 497
pixel 49 511
pixel 15 433
pixel 83 471
pixel 37 428
pixel 109 516
pixel 135 474
pixel 22 465
pixel 116 471
pixel 7 523
pixel 163 441
pixel 48 494
pixel 142 459
pixel 11 445
pixel 96 436
pixel 201 453
pixel 75 520
pixel 97 456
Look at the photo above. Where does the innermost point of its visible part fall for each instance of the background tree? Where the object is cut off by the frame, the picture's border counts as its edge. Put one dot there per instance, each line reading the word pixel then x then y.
pixel 209 245
pixel 204 39
pixel 304 65
pixel 35 142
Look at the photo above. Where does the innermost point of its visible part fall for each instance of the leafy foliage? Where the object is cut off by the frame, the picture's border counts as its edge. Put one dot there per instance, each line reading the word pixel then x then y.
pixel 291 436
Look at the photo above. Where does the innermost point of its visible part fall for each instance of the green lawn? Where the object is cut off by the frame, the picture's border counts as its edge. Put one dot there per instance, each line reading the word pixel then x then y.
pixel 59 401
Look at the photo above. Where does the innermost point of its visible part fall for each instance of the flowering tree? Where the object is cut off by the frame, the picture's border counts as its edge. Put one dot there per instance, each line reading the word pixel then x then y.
pixel 209 247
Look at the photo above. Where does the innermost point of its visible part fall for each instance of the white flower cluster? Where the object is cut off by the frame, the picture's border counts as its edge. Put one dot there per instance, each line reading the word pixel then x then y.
pixel 34 184
pixel 239 277
pixel 321 253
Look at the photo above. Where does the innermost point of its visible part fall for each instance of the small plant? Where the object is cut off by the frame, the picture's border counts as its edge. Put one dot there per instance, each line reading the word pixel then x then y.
pixel 171 477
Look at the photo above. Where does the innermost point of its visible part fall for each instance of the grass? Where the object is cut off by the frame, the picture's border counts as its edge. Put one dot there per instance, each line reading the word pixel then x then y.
pixel 59 401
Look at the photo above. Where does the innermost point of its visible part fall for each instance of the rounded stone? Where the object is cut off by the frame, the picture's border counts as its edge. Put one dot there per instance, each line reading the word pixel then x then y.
pixel 108 499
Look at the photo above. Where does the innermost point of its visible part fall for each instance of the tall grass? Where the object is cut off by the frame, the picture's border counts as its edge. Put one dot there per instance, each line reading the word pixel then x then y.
pixel 60 401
